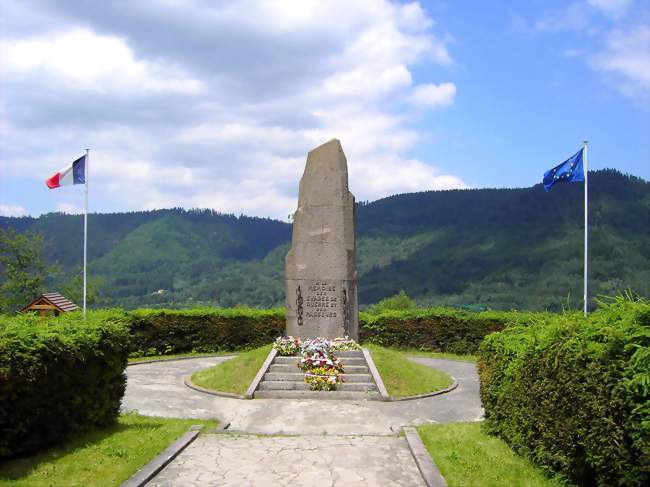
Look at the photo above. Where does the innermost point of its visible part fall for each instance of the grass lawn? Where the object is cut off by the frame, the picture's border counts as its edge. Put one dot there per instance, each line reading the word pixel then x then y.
pixel 467 457
pixel 234 375
pixel 405 378
pixel 137 360
pixel 445 355
pixel 105 457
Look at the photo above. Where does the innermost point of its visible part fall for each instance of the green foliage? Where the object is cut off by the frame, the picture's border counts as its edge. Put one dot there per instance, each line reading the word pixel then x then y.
pixel 573 394
pixel 472 249
pixel 437 329
pixel 73 288
pixel 202 330
pixel 22 269
pixel 399 301
pixel 58 377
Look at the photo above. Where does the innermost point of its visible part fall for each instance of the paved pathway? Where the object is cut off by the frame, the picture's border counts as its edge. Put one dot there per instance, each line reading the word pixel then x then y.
pixel 351 443
pixel 327 461
pixel 157 389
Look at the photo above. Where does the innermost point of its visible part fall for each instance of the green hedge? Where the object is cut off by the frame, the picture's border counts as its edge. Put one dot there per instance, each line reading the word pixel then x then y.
pixel 58 377
pixel 573 394
pixel 216 329
pixel 202 330
pixel 438 329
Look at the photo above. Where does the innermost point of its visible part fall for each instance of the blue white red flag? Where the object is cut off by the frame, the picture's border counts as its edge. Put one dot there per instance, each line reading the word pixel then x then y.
pixel 73 174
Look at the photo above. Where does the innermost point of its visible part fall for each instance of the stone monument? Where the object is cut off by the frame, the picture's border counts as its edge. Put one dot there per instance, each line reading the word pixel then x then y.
pixel 320 270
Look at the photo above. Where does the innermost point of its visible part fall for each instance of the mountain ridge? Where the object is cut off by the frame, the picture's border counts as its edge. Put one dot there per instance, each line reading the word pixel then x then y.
pixel 498 248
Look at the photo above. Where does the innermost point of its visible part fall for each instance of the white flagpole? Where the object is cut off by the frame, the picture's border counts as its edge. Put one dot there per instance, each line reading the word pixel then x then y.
pixel 85 225
pixel 584 161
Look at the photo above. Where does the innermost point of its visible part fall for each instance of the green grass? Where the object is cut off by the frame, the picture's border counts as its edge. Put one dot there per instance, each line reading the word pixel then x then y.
pixel 149 358
pixel 467 457
pixel 405 378
pixel 233 375
pixel 101 458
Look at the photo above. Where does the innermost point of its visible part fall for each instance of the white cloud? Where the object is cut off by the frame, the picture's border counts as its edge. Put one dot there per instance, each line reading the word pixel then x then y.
pixel 433 96
pixel 621 30
pixel 627 57
pixel 614 8
pixel 222 114
pixel 88 61
pixel 12 210
pixel 68 208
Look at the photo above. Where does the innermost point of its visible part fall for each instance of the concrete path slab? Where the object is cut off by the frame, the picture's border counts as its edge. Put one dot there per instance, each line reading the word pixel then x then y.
pixel 245 460
pixel 157 389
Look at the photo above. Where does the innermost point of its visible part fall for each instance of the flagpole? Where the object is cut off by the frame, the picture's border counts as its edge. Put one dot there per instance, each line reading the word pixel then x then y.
pixel 85 225
pixel 584 155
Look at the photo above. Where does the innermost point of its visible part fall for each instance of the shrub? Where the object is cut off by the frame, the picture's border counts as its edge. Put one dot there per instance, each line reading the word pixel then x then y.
pixel 437 329
pixel 202 330
pixel 164 332
pixel 398 302
pixel 573 394
pixel 58 377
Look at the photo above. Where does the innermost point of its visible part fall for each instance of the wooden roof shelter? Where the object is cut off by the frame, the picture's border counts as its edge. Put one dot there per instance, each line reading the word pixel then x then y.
pixel 54 303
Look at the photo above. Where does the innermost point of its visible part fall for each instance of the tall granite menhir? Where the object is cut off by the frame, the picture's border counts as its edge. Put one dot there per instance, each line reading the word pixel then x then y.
pixel 321 276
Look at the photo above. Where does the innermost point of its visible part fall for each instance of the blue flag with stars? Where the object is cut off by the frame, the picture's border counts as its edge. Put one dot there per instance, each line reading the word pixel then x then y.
pixel 569 171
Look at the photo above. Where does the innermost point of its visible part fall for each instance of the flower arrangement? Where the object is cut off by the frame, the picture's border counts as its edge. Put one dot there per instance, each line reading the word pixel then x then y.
pixel 321 365
pixel 310 361
pixel 343 344
pixel 287 345
pixel 323 379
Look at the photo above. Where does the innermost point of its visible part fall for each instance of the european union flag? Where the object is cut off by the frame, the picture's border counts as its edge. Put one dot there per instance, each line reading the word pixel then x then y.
pixel 569 171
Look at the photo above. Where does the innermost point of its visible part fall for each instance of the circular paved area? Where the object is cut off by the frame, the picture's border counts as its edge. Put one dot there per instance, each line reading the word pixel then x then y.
pixel 157 389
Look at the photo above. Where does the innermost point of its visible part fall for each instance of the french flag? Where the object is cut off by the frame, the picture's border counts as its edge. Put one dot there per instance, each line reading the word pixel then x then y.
pixel 73 174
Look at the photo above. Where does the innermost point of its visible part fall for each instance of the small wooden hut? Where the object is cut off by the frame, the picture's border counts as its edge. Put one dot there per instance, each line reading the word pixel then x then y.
pixel 50 303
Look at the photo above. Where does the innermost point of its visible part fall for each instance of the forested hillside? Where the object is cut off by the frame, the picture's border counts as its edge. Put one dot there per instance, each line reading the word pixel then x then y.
pixel 486 248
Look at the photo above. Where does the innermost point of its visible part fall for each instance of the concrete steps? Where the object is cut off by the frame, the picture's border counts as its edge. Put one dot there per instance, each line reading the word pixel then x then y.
pixel 289 368
pixel 303 386
pixel 329 395
pixel 284 379
pixel 299 376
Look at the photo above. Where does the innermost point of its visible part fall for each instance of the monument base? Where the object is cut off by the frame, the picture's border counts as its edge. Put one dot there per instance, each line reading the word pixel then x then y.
pixel 322 308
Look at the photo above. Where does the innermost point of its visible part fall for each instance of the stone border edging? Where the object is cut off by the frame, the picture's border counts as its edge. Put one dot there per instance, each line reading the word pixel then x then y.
pixel 430 473
pixel 178 358
pixel 260 374
pixel 187 380
pixel 160 461
pixel 453 386
pixel 383 393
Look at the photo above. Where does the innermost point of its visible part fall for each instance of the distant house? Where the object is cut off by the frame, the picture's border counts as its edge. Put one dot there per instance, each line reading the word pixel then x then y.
pixel 50 303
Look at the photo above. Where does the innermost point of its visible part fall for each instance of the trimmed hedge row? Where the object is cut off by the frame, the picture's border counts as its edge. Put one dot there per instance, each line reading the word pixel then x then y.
pixel 202 330
pixel 213 329
pixel 58 377
pixel 437 329
pixel 573 394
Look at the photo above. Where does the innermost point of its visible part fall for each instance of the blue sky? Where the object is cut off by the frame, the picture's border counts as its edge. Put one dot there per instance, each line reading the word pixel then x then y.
pixel 186 103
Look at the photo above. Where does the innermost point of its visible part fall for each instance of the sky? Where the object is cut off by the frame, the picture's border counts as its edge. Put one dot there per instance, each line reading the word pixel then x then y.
pixel 204 104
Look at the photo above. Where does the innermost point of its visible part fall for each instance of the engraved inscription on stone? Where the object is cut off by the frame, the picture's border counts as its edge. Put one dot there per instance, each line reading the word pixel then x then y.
pixel 321 300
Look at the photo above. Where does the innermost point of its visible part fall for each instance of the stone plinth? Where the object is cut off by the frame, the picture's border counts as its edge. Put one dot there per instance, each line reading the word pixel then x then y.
pixel 321 278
